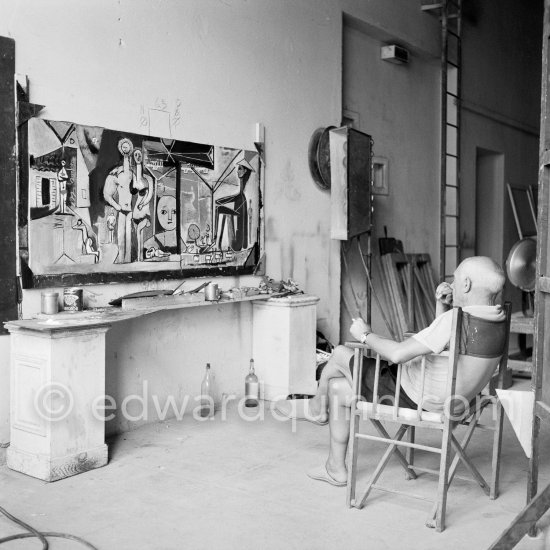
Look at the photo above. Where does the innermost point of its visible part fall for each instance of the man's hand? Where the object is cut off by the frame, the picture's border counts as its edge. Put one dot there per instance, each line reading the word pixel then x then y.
pixel 444 294
pixel 358 328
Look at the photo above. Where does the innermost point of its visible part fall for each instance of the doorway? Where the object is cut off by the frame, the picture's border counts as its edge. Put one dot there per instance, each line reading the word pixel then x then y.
pixel 489 205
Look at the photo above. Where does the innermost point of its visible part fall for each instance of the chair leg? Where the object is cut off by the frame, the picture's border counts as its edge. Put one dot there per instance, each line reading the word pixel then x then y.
pixel 456 460
pixel 443 485
pixel 469 465
pixel 352 450
pixel 381 465
pixel 410 473
pixel 497 446
pixel 410 450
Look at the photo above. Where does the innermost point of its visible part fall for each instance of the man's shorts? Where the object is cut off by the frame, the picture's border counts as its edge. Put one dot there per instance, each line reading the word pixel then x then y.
pixel 386 383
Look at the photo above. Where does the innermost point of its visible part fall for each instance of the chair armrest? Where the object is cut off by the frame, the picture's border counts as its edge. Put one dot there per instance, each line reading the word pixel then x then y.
pixel 355 345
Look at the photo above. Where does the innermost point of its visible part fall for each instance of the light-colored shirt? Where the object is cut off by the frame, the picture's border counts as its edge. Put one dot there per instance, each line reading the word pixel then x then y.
pixel 473 373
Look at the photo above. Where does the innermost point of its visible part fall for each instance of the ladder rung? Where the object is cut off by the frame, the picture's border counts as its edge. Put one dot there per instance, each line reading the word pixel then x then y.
pixel 455 65
pixel 452 95
pixel 453 33
pixel 451 124
pixel 452 155
pixel 435 6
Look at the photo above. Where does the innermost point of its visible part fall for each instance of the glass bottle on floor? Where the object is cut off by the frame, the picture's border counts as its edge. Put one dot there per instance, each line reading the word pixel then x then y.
pixel 251 388
pixel 207 393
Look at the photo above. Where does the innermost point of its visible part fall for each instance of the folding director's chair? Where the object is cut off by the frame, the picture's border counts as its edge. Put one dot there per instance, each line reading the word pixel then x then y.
pixel 470 336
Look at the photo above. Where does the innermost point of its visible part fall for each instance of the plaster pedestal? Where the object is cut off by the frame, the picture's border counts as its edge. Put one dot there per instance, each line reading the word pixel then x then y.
pixel 283 344
pixel 57 378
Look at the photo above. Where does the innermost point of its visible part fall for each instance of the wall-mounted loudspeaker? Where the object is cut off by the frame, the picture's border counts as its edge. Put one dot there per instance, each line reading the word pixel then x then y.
pixel 394 54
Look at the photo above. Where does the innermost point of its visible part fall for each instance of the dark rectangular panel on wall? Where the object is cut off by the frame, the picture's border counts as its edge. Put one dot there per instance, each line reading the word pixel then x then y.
pixel 8 284
pixel 359 183
pixel 351 185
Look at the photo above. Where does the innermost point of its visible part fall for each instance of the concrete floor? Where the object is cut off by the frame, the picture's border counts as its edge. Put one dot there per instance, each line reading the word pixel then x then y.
pixel 242 485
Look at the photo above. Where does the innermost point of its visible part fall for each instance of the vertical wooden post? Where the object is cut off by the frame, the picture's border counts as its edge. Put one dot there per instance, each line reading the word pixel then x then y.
pixel 8 185
pixel 538 504
pixel 542 300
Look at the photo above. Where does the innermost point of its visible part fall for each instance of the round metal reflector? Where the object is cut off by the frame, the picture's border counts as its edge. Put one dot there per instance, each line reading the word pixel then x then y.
pixel 319 157
pixel 521 264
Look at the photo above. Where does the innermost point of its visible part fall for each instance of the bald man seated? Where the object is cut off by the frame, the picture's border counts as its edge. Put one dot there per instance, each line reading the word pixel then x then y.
pixel 477 286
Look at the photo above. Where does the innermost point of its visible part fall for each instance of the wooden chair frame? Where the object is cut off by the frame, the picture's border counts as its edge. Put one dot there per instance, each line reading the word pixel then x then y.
pixel 446 424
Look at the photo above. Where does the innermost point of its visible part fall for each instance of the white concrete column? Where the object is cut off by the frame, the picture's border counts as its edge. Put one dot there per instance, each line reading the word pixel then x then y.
pixel 57 376
pixel 283 344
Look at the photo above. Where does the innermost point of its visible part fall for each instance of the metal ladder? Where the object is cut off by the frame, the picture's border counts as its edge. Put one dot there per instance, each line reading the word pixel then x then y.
pixel 450 15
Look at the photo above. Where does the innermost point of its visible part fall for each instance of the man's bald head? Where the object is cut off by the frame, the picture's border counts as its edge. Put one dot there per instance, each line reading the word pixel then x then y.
pixel 479 280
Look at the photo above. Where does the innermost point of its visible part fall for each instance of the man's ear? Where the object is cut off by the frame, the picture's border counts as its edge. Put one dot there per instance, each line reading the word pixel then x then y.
pixel 467 284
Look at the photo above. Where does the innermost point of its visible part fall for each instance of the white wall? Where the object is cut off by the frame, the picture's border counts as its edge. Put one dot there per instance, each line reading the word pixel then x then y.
pixel 228 65
pixel 398 106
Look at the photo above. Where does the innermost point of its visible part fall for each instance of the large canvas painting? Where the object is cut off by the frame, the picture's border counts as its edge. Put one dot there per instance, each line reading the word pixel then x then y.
pixel 104 205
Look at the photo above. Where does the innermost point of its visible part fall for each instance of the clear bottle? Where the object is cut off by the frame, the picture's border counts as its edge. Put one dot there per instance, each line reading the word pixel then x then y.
pixel 251 388
pixel 207 393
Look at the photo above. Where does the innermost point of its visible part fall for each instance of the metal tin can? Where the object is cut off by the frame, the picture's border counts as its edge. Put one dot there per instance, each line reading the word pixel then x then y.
pixel 49 303
pixel 72 299
pixel 211 292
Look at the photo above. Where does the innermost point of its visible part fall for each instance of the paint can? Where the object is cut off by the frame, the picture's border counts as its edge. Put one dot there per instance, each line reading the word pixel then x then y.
pixel 49 303
pixel 72 299
pixel 211 292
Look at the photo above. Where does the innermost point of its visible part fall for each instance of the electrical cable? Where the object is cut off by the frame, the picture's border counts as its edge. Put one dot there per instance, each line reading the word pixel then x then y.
pixel 388 326
pixel 346 303
pixel 355 298
pixel 32 532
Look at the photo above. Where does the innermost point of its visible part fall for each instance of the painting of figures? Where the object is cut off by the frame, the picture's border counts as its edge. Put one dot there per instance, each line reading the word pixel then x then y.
pixel 107 202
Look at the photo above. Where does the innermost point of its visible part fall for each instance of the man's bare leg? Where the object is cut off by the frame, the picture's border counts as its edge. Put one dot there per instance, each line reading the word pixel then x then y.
pixel 334 470
pixel 334 369
pixel 340 395
pixel 317 407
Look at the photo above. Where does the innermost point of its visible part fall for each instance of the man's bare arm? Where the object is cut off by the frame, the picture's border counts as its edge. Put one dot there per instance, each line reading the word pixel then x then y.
pixel 396 352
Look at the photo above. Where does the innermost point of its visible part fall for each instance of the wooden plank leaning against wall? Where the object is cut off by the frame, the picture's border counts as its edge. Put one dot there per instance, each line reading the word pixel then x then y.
pixel 8 185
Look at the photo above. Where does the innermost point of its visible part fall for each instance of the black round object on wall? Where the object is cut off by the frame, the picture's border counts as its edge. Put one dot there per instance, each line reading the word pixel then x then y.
pixel 319 157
